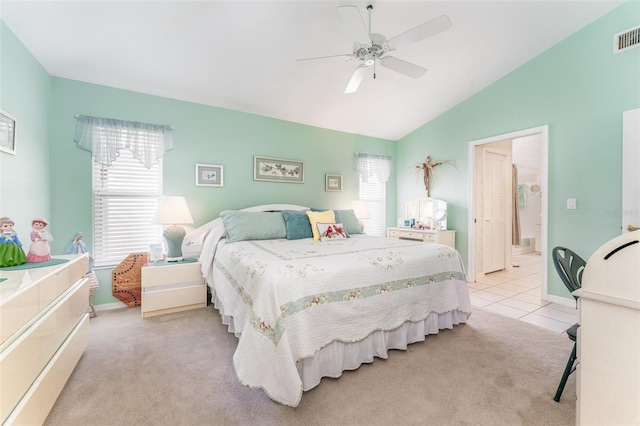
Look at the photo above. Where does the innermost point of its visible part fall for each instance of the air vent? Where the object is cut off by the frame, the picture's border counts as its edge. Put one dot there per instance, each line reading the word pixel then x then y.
pixel 626 39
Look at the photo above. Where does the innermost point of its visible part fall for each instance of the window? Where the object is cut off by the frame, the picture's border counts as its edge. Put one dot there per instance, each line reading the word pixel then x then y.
pixel 126 182
pixel 125 198
pixel 374 171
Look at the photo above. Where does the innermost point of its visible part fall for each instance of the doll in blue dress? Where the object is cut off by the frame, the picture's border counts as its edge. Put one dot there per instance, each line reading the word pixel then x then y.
pixel 77 246
pixel 11 253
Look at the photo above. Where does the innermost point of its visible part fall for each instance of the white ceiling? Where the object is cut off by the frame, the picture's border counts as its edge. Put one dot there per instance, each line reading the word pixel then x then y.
pixel 242 55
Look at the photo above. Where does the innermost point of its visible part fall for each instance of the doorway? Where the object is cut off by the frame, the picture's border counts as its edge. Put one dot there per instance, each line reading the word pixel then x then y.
pixel 484 171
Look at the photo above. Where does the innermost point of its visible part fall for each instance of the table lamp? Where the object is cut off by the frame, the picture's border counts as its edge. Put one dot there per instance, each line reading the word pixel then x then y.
pixel 361 210
pixel 173 210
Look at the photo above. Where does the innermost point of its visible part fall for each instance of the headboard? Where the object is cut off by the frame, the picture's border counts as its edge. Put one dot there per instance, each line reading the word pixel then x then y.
pixel 193 241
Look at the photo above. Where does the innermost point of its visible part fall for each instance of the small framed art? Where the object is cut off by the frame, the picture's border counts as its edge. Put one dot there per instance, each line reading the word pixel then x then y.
pixel 7 133
pixel 333 183
pixel 278 169
pixel 209 175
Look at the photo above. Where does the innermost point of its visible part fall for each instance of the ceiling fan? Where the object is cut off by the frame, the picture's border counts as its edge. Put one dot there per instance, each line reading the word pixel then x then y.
pixel 376 47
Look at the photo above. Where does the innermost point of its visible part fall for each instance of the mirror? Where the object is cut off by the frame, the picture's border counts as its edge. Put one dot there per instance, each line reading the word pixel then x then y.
pixel 429 213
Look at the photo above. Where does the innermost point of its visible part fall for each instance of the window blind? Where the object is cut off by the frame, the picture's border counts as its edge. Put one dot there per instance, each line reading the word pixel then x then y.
pixel 125 199
pixel 374 171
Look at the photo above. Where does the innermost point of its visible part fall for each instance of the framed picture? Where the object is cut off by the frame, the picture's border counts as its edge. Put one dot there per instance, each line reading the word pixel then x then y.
pixel 7 133
pixel 209 175
pixel 278 169
pixel 333 183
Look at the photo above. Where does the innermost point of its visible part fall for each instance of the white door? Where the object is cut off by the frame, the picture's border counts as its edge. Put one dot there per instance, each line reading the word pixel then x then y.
pixel 494 191
pixel 630 170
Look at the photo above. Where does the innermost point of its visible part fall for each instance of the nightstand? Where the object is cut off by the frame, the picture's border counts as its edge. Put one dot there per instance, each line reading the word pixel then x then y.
pixel 172 287
pixel 447 238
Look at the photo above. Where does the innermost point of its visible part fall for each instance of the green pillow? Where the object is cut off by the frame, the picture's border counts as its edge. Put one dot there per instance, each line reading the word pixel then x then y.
pixel 241 225
pixel 297 224
pixel 349 220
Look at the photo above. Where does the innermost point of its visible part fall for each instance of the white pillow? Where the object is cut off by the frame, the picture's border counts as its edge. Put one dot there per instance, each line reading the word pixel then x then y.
pixel 331 231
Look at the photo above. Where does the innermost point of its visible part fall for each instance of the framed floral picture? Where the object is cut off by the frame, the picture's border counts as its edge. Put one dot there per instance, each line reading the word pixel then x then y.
pixel 7 133
pixel 209 175
pixel 333 183
pixel 278 169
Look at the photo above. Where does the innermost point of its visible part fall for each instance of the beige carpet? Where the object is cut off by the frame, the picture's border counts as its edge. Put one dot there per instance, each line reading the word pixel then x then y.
pixel 176 370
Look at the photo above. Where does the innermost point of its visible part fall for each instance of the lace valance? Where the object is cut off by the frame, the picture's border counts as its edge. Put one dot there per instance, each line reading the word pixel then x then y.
pixel 104 137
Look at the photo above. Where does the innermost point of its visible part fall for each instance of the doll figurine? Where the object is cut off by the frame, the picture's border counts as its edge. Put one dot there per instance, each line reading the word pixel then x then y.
pixel 39 250
pixel 77 246
pixel 11 253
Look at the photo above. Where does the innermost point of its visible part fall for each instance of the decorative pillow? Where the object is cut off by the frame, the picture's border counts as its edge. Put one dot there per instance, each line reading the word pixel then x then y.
pixel 331 231
pixel 322 217
pixel 348 217
pixel 297 224
pixel 241 226
pixel 337 214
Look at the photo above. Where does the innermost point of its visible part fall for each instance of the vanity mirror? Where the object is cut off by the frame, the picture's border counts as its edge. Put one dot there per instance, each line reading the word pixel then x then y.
pixel 431 213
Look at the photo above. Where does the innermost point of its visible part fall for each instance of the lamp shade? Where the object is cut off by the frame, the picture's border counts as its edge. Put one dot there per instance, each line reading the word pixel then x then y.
pixel 172 210
pixel 361 210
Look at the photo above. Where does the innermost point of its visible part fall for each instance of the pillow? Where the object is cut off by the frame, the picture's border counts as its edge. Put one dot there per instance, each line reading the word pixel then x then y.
pixel 348 217
pixel 297 224
pixel 241 226
pixel 322 217
pixel 337 214
pixel 331 231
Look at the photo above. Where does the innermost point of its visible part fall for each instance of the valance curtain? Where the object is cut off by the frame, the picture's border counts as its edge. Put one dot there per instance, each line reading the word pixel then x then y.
pixel 104 137
pixel 369 165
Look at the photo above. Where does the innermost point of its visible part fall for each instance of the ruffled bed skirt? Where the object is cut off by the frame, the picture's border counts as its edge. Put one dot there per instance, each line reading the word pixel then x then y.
pixel 337 357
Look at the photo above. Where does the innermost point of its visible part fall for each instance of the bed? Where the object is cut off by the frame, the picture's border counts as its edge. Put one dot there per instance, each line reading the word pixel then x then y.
pixel 305 308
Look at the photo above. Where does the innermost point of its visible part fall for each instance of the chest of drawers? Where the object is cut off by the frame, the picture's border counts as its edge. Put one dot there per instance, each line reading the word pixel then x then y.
pixel 44 329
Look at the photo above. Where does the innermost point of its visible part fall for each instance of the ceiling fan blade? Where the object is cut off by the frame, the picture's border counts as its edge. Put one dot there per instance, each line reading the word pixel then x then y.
pixel 352 17
pixel 348 56
pixel 422 31
pixel 356 79
pixel 403 67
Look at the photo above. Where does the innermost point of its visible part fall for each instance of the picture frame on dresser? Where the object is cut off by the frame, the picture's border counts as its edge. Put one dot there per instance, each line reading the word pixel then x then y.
pixel 8 133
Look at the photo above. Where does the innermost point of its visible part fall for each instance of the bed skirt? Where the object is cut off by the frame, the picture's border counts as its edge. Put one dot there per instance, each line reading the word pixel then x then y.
pixel 337 356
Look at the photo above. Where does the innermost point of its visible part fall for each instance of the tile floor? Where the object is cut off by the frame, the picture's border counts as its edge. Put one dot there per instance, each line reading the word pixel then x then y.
pixel 516 293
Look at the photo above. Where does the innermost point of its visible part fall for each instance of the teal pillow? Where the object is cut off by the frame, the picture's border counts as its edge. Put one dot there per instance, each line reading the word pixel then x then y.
pixel 297 224
pixel 241 226
pixel 349 220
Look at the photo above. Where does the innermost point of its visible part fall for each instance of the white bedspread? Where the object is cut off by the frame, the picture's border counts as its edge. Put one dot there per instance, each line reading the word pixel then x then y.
pixel 291 298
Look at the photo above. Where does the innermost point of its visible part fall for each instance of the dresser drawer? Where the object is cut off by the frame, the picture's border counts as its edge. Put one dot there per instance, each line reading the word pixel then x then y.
pixel 18 311
pixel 57 283
pixel 406 235
pixel 26 357
pixel 432 238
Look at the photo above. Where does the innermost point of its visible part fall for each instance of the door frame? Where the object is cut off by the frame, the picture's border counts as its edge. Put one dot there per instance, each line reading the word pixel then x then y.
pixel 471 226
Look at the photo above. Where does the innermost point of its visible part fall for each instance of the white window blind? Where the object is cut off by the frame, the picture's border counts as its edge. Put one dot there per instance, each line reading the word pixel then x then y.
pixel 374 171
pixel 125 198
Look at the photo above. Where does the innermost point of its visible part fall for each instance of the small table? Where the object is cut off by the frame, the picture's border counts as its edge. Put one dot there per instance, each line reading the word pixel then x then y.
pixel 447 238
pixel 172 287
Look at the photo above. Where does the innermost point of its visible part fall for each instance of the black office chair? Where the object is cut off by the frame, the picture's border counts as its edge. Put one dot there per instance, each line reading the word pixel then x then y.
pixel 570 267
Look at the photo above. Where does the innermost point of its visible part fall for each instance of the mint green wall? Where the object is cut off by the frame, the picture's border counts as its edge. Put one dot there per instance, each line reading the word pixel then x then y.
pixel 25 93
pixel 580 89
pixel 202 134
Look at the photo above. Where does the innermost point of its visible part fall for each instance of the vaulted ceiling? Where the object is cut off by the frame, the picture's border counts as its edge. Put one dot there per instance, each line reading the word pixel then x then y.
pixel 243 55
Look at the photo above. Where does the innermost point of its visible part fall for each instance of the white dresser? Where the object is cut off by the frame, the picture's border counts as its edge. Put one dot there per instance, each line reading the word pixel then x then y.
pixel 447 238
pixel 44 329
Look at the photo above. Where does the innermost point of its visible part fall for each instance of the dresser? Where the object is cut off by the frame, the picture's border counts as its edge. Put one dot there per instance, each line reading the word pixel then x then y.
pixel 448 238
pixel 44 329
